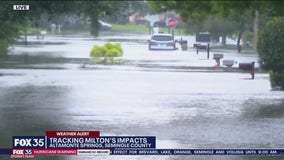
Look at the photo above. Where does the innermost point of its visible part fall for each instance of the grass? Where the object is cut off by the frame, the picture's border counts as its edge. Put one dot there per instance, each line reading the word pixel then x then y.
pixel 31 31
pixel 142 29
pixel 130 28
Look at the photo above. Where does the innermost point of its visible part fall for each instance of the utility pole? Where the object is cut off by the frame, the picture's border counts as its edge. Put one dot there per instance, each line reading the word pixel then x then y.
pixel 26 37
pixel 255 30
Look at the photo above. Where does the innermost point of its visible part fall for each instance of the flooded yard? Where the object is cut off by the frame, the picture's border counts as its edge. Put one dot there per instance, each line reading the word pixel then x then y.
pixel 183 109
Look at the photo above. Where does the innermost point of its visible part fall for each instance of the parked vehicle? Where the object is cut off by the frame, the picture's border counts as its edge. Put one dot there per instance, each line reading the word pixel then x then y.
pixel 160 24
pixel 162 42
pixel 104 25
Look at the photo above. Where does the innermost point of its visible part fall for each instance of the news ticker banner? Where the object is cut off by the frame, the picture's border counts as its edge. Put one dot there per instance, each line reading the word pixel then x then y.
pixel 91 143
pixel 82 140
pixel 31 153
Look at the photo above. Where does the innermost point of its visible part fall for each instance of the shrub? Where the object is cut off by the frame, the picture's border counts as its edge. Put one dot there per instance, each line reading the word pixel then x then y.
pixel 108 50
pixel 114 52
pixel 271 50
pixel 277 79
pixel 110 46
pixel 98 51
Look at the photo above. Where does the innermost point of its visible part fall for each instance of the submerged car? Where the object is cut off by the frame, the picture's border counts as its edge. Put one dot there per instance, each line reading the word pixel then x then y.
pixel 162 42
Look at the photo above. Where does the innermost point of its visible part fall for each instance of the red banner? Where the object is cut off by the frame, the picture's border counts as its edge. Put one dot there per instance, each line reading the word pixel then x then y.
pixel 73 134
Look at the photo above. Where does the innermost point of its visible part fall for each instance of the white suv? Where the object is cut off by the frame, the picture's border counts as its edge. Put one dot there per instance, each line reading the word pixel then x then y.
pixel 161 42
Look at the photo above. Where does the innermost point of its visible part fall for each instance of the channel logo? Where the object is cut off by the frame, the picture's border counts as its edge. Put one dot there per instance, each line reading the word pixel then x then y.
pixel 18 151
pixel 22 153
pixel 28 142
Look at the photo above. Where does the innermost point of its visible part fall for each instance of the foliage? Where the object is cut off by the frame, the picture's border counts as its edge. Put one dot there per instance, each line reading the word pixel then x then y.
pixel 97 9
pixel 240 13
pixel 277 79
pixel 105 54
pixel 142 7
pixel 4 44
pixel 220 18
pixel 113 53
pixel 108 50
pixel 193 10
pixel 98 51
pixel 12 23
pixel 113 50
pixel 271 50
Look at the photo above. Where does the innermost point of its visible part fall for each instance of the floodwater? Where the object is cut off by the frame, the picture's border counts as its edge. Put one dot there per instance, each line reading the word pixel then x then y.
pixel 183 109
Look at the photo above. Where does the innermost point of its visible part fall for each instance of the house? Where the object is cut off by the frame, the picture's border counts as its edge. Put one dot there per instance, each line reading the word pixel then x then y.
pixel 149 20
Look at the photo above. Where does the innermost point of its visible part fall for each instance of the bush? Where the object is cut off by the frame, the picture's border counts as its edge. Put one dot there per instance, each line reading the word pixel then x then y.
pixel 116 47
pixel 114 52
pixel 108 50
pixel 277 79
pixel 271 50
pixel 98 51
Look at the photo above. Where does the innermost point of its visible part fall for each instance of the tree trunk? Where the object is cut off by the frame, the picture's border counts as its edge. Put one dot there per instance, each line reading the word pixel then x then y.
pixel 244 38
pixel 239 41
pixel 224 39
pixel 255 31
pixel 94 25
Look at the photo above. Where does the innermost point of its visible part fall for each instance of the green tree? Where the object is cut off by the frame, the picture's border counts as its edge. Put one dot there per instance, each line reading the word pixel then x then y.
pixel 13 22
pixel 194 12
pixel 138 6
pixel 218 27
pixel 97 9
pixel 271 50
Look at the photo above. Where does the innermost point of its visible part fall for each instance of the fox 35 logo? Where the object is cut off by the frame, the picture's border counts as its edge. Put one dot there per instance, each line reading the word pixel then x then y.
pixel 28 142
pixel 22 152
pixel 28 152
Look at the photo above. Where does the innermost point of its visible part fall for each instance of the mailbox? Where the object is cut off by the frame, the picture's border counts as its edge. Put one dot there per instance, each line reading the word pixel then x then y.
pixel 228 63
pixel 248 67
pixel 217 58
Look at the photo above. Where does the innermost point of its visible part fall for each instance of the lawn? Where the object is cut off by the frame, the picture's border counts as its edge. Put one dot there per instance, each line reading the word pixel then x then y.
pixel 142 29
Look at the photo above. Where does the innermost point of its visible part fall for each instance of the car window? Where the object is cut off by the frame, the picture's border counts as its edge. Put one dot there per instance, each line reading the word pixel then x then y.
pixel 162 38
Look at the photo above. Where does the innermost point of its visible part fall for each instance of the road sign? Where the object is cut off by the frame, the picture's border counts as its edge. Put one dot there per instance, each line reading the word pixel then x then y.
pixel 172 23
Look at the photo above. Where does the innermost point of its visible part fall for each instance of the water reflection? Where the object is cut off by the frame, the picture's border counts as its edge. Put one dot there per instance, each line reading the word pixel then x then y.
pixel 30 110
pixel 260 110
pixel 183 109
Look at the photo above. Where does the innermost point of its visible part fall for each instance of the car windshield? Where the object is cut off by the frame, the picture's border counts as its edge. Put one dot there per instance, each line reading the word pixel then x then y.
pixel 162 38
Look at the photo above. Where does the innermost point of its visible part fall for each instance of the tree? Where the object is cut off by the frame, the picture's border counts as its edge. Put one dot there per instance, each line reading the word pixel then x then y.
pixel 271 50
pixel 96 9
pixel 127 8
pixel 142 7
pixel 218 27
pixel 12 22
pixel 193 12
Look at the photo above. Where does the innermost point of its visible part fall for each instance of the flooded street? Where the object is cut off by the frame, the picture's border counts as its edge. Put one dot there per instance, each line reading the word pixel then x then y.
pixel 181 107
